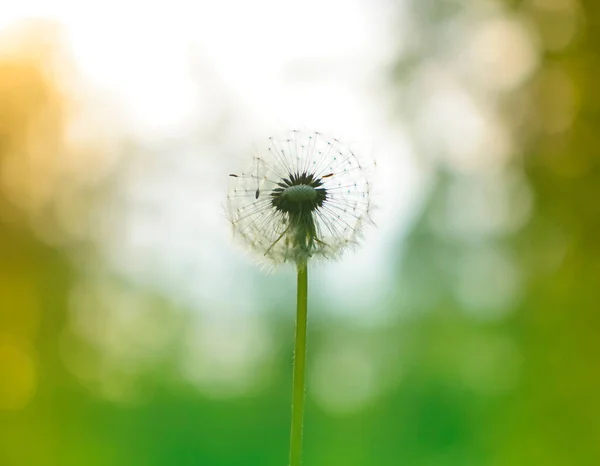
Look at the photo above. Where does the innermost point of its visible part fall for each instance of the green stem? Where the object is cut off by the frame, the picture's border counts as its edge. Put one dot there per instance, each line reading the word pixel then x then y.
pixel 299 368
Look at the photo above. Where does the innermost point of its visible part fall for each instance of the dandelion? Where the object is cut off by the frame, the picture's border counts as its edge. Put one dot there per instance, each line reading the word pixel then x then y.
pixel 303 196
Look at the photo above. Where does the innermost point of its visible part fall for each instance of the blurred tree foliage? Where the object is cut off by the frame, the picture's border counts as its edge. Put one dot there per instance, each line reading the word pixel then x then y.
pixel 551 416
pixel 556 417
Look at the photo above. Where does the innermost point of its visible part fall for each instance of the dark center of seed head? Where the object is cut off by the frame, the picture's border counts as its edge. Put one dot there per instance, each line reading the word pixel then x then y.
pixel 299 194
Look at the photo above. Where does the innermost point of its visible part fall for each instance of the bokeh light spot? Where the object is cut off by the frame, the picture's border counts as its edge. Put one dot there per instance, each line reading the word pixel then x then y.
pixel 503 52
pixel 18 376
pixel 227 356
pixel 344 378
pixel 488 283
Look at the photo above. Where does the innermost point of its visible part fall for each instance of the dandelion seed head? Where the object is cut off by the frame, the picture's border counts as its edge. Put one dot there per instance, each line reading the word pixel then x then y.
pixel 302 196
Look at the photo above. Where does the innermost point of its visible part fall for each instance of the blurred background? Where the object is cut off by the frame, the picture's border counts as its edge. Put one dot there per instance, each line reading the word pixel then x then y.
pixel 463 332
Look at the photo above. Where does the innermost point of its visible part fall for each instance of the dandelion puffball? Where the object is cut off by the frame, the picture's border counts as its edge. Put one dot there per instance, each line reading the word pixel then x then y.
pixel 302 196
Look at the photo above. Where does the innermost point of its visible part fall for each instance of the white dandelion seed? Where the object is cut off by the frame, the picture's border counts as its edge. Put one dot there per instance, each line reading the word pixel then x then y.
pixel 302 196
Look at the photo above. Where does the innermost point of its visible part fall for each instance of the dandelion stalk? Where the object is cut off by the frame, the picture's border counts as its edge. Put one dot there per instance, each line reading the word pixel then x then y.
pixel 298 384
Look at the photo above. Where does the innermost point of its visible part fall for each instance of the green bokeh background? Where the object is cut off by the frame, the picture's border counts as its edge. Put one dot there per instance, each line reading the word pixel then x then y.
pixel 535 399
